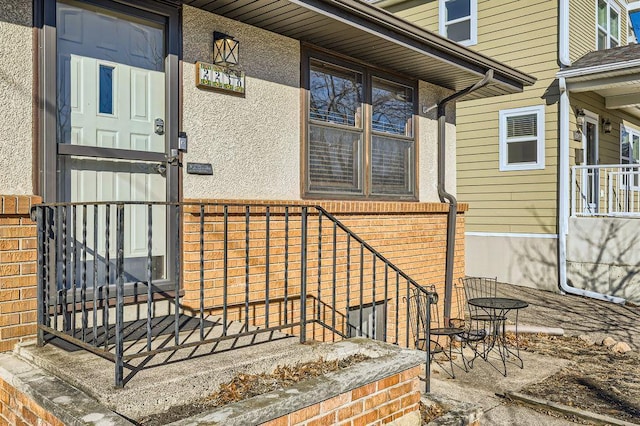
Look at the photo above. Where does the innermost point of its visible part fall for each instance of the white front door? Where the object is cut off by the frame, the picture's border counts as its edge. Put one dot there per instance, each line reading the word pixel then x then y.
pixel 111 122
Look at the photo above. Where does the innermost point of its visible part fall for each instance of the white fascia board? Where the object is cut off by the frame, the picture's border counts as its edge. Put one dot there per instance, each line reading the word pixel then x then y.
pixel 633 5
pixel 597 69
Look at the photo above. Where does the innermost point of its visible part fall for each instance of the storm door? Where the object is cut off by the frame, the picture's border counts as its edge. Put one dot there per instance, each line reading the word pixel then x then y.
pixel 113 137
pixel 591 177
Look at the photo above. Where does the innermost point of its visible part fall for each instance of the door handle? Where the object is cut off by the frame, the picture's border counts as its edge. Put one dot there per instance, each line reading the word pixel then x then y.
pixel 161 169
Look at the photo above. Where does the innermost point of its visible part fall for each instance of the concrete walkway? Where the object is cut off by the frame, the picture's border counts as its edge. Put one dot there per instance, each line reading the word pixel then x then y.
pixel 484 385
pixel 577 315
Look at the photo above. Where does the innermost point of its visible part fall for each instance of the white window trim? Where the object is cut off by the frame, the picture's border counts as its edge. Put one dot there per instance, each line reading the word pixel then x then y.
pixel 611 4
pixel 442 23
pixel 632 131
pixel 502 123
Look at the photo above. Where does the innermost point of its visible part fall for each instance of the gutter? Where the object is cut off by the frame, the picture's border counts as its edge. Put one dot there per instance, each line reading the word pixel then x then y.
pixel 446 196
pixel 476 62
pixel 627 67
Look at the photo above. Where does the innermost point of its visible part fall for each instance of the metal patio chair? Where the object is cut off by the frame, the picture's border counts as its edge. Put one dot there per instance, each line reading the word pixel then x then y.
pixel 442 337
pixel 474 332
pixel 481 319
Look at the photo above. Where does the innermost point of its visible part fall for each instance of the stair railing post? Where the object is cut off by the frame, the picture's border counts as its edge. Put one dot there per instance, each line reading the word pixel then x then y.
pixel 431 298
pixel 42 307
pixel 303 276
pixel 119 349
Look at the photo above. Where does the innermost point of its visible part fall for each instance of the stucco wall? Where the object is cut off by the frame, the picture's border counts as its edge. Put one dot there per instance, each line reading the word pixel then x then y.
pixel 16 79
pixel 603 255
pixel 428 145
pixel 252 142
pixel 525 261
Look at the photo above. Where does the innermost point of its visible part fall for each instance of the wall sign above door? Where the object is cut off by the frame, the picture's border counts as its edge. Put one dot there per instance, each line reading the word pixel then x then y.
pixel 209 76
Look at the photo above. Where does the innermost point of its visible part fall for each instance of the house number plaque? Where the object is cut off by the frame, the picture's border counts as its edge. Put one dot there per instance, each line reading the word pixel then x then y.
pixel 209 76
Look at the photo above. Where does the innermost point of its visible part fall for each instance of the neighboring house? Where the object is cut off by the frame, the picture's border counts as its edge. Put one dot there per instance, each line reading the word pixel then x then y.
pixel 550 174
pixel 294 186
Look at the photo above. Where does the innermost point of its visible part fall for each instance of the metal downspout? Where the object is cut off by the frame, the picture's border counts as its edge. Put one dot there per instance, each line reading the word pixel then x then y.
pixel 563 205
pixel 446 196
pixel 564 168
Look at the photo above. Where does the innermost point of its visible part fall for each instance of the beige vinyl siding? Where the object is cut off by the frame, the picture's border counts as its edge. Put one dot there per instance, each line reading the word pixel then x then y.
pixel 422 13
pixel 525 37
pixel 582 27
pixel 522 34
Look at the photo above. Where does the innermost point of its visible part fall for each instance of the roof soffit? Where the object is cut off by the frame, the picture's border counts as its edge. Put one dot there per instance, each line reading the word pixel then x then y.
pixel 375 36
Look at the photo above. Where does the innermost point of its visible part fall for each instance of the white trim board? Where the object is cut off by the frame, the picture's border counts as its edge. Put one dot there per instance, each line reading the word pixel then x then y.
pixel 511 235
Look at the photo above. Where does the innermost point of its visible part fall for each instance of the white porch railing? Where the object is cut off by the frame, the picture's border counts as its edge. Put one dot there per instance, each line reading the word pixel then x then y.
pixel 605 190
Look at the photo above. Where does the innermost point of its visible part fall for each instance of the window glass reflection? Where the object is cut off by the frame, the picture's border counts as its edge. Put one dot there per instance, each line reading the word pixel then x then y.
pixel 106 90
pixel 335 95
pixel 457 9
pixel 392 106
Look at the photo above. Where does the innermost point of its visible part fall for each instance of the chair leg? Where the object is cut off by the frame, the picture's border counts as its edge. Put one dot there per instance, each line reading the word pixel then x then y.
pixel 465 364
pixel 453 374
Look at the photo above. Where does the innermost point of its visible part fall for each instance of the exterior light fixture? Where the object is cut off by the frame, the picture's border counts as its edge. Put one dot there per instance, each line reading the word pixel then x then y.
pixel 226 50
pixel 580 117
pixel 606 126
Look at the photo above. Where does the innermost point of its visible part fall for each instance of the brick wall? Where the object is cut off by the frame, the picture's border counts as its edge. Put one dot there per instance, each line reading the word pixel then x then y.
pixel 376 403
pixel 17 408
pixel 410 235
pixel 18 262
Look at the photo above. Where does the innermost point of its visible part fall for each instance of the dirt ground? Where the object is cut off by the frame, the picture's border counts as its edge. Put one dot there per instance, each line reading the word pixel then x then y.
pixel 598 379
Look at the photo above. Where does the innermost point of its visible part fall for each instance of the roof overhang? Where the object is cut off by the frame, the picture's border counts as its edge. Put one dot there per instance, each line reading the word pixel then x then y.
pixel 370 34
pixel 618 83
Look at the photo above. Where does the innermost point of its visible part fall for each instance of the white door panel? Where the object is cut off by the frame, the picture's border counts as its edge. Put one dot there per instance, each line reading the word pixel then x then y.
pixel 138 100
pixel 111 90
pixel 125 182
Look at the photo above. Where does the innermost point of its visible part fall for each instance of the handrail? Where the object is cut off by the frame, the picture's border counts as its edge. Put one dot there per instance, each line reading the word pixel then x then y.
pixel 605 190
pixel 371 249
pixel 78 263
pixel 605 166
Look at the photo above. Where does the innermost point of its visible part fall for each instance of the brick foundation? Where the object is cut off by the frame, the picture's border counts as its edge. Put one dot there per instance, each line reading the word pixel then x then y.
pixel 18 262
pixel 375 403
pixel 410 235
pixel 17 408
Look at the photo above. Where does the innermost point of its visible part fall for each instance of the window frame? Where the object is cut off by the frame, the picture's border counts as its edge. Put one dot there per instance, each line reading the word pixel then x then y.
pixel 631 131
pixel 539 164
pixel 369 73
pixel 371 311
pixel 611 4
pixel 630 160
pixel 473 18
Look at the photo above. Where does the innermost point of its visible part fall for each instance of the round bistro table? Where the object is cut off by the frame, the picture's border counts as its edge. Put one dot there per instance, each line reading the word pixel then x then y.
pixel 497 309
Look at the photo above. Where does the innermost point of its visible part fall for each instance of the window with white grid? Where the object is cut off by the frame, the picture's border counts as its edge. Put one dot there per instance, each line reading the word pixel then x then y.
pixel 522 138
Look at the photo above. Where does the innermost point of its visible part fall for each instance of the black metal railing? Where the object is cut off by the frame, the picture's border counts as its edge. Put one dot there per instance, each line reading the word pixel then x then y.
pixel 130 280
